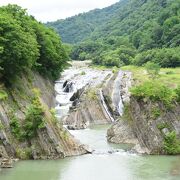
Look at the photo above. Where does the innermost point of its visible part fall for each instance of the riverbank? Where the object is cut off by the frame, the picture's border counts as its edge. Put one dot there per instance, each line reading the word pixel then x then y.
pixel 74 98
pixel 115 166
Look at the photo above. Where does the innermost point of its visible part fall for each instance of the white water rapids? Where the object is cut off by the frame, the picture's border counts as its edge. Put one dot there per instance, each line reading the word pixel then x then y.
pixel 81 77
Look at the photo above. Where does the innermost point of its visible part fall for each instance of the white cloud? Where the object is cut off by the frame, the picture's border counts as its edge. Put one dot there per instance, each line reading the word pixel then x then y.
pixel 50 10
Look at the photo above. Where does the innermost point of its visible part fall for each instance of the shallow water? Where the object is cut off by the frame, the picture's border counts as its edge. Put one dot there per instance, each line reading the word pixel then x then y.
pixel 98 166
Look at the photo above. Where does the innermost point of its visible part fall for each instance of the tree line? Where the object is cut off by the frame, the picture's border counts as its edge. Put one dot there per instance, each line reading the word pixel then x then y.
pixel 128 32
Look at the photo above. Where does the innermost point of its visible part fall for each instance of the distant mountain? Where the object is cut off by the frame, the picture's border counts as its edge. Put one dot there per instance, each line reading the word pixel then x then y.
pixel 117 34
pixel 77 28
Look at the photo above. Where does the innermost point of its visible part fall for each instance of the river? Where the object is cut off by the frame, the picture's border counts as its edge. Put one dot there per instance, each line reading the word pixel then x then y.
pixel 107 162
pixel 100 165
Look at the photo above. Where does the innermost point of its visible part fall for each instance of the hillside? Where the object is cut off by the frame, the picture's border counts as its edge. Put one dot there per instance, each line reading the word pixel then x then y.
pixel 117 34
pixel 77 28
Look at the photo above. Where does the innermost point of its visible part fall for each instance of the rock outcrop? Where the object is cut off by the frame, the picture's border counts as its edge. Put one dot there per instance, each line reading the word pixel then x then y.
pixel 51 142
pixel 88 111
pixel 149 127
pixel 121 132
pixel 144 123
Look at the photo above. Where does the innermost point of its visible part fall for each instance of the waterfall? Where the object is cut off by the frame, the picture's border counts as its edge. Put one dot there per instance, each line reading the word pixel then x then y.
pixel 105 106
pixel 116 95
pixel 72 83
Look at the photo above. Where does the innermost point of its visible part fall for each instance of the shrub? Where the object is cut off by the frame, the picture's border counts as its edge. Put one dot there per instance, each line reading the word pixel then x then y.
pixel 177 91
pixel 171 144
pixel 1 126
pixel 152 69
pixel 126 113
pixel 3 95
pixel 91 94
pixel 16 128
pixel 34 119
pixel 24 154
pixel 54 118
pixel 156 112
pixel 170 72
pixel 154 91
pixel 161 126
pixel 83 73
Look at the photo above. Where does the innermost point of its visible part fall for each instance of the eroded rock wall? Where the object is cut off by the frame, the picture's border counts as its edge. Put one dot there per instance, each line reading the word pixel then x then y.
pixel 89 111
pixel 144 123
pixel 150 128
pixel 52 141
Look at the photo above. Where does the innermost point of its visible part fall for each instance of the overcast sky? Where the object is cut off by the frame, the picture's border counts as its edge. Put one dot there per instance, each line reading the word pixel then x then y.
pixel 50 10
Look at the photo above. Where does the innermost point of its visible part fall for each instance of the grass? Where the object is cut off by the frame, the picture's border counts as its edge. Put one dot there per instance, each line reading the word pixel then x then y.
pixel 167 76
pixel 171 144
pixel 155 91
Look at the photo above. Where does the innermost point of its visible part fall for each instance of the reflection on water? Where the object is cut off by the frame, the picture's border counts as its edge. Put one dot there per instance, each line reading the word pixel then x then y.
pixel 117 166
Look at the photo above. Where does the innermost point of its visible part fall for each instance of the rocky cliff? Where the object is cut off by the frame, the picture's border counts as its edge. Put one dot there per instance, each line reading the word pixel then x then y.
pixel 88 111
pixel 152 122
pixel 145 124
pixel 51 141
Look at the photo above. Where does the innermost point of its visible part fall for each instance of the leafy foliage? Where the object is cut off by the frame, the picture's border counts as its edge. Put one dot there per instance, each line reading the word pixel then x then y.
pixel 52 54
pixel 162 126
pixel 147 30
pixel 27 44
pixel 177 90
pixel 1 126
pixel 152 69
pixel 34 119
pixel 155 113
pixel 171 144
pixel 155 92
pixel 3 95
pixel 166 57
pixel 24 153
pixel 16 128
pixel 20 49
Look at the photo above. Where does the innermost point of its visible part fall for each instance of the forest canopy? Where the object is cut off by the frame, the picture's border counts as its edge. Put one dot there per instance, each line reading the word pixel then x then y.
pixel 128 32
pixel 27 44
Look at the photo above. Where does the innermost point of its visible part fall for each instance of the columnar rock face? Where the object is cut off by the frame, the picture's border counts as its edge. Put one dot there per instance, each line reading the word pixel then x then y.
pixel 89 111
pixel 120 131
pixel 150 129
pixel 51 141
pixel 116 92
pixel 141 125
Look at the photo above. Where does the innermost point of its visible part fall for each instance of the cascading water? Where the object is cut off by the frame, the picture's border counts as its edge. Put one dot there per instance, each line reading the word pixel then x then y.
pixel 71 82
pixel 105 106
pixel 116 95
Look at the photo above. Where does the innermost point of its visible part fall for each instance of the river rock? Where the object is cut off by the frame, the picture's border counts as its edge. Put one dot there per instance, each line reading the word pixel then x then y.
pixel 120 132
pixel 78 126
pixel 140 150
pixel 6 163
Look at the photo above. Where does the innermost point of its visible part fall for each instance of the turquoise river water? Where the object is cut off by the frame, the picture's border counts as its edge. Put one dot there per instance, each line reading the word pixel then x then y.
pixel 101 165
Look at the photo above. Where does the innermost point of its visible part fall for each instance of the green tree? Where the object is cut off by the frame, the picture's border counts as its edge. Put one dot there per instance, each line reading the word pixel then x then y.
pixel 19 48
pixel 53 56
